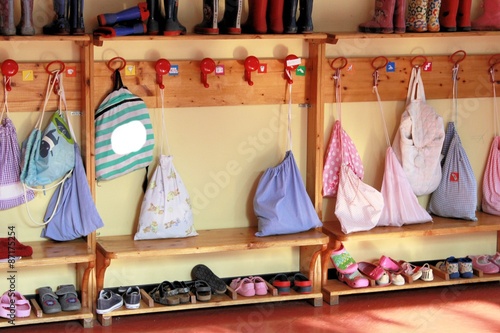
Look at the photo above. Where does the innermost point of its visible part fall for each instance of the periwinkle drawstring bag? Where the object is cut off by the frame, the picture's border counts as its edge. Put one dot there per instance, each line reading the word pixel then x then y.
pixel 281 203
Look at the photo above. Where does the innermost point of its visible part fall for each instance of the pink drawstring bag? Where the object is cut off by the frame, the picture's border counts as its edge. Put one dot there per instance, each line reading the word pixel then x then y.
pixel 340 148
pixel 400 203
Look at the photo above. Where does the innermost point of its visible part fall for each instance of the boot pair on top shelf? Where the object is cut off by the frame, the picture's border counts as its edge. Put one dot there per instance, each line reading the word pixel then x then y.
pixel 7 25
pixel 68 18
pixel 401 16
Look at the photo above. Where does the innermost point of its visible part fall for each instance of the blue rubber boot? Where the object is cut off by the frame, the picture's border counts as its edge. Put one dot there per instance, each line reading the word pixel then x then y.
pixel 139 12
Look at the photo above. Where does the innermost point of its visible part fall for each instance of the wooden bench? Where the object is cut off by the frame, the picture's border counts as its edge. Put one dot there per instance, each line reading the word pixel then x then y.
pixel 49 253
pixel 311 243
pixel 440 226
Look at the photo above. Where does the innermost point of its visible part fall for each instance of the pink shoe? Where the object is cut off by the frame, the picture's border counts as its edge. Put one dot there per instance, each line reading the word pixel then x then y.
pixel 375 272
pixel 244 287
pixel 390 264
pixel 260 285
pixel 5 306
pixel 23 307
pixel 495 259
pixel 354 280
pixel 484 264
pixel 343 261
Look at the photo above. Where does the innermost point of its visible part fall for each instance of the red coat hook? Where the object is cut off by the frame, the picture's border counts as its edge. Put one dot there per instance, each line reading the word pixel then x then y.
pixel 162 67
pixel 251 65
pixel 291 64
pixel 9 68
pixel 207 66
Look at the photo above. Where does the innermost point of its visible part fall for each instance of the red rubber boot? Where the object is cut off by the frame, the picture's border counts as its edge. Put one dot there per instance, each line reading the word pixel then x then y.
pixel 399 17
pixel 256 22
pixel 448 15
pixel 490 20
pixel 383 18
pixel 275 16
pixel 463 15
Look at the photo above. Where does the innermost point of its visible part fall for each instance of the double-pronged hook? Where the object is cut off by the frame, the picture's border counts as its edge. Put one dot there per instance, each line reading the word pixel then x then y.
pixel 376 67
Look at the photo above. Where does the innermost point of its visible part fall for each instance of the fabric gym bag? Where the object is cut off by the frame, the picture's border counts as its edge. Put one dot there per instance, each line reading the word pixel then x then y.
pixel 281 203
pixel 11 189
pixel 419 139
pixel 124 138
pixel 166 207
pixel 401 205
pixel 49 155
pixel 339 143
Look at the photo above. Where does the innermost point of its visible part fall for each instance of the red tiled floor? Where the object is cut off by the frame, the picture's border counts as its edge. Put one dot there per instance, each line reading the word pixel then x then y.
pixel 470 308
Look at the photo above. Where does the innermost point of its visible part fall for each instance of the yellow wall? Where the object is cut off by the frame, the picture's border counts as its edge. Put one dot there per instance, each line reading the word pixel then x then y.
pixel 204 140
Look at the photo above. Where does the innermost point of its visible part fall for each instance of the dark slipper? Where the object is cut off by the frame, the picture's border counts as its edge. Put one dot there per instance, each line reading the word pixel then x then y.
pixel 202 272
pixel 48 300
pixel 68 298
pixel 281 282
pixel 301 284
pixel 203 291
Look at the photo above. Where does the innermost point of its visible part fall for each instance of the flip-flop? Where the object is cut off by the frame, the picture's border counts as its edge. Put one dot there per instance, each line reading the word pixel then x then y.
pixel 281 282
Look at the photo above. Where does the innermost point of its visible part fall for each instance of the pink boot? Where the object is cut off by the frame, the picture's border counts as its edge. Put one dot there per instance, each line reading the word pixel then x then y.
pixel 490 20
pixel 383 19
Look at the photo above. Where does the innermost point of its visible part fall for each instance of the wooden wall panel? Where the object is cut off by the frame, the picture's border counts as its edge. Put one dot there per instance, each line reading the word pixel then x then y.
pixel 186 89
pixel 357 79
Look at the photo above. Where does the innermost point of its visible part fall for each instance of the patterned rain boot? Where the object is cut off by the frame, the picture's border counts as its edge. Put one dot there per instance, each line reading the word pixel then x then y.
pixel 463 15
pixel 305 23
pixel 433 15
pixel 383 18
pixel 448 15
pixel 172 25
pixel 256 22
pixel 490 19
pixel 231 22
pixel 290 16
pixel 400 17
pixel 417 16
pixel 7 18
pixel 275 16
pixel 210 16
pixel 25 26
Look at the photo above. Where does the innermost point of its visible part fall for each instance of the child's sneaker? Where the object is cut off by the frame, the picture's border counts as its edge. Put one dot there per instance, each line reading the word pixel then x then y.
pixel 465 268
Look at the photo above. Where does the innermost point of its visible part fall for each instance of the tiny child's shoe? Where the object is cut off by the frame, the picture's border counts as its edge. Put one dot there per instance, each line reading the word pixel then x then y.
pixel 301 284
pixel 281 282
pixel 394 269
pixel 483 264
pixel 411 270
pixel 374 272
pixel 495 259
pixel 354 280
pixel 427 273
pixel 451 265
pixel 244 287
pixel 465 268
pixel 343 261
pixel 260 285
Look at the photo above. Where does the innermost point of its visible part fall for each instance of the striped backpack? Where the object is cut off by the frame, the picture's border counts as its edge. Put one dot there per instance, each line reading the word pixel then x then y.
pixel 124 138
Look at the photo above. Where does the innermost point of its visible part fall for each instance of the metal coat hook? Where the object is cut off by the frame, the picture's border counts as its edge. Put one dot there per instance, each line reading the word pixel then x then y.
pixel 207 66
pixel 494 60
pixel 461 55
pixel 162 67
pixel 9 69
pixel 412 61
pixel 376 68
pixel 251 65
pixel 291 64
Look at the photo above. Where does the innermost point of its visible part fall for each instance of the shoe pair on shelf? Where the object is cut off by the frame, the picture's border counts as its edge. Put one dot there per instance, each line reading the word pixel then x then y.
pixel 108 301
pixel 21 308
pixel 488 264
pixel 298 282
pixel 249 286
pixel 347 269
pixel 171 293
pixel 65 298
pixel 457 267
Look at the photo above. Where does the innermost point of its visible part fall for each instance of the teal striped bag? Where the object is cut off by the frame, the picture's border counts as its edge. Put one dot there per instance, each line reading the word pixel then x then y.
pixel 124 138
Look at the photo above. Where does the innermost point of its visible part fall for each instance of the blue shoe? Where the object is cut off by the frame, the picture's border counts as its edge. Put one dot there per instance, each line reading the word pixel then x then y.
pixel 465 268
pixel 452 267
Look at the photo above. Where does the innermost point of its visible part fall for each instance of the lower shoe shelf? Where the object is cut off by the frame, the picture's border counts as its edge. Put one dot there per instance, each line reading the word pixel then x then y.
pixel 333 288
pixel 229 299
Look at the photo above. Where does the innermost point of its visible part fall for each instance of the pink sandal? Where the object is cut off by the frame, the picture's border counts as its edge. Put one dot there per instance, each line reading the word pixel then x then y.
pixel 354 280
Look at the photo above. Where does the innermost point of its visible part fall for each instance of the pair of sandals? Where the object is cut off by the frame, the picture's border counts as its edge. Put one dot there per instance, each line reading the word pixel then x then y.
pixel 170 293
pixel 298 282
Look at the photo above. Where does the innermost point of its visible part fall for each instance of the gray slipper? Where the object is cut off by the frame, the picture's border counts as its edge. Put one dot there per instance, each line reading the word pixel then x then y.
pixel 48 300
pixel 68 298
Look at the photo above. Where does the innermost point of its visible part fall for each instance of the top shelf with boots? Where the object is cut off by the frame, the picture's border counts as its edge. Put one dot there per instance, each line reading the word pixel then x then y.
pixel 334 37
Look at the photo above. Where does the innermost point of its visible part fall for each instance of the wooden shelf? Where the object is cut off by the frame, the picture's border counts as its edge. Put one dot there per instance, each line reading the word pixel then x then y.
pixel 46 253
pixel 334 37
pixel 84 315
pixel 314 37
pixel 48 38
pixel 439 227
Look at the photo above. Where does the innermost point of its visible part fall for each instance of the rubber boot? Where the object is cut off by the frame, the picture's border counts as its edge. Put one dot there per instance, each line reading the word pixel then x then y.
pixel 290 17
pixel 60 24
pixel 490 19
pixel 77 26
pixel 399 21
pixel 305 23
pixel 209 25
pixel 153 24
pixel 257 17
pixel 7 18
pixel 275 16
pixel 25 26
pixel 417 16
pixel 231 22
pixel 383 18
pixel 139 12
pixel 463 15
pixel 172 26
pixel 433 9
pixel 448 15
